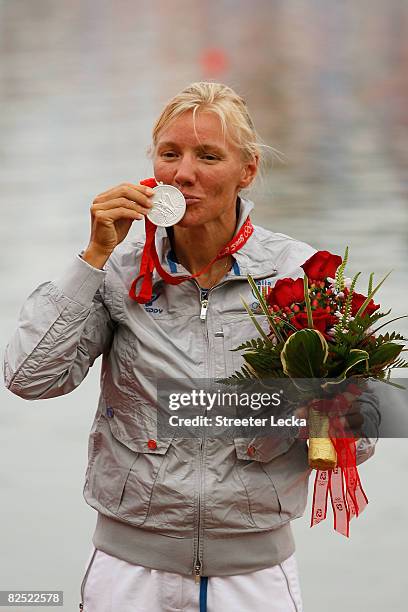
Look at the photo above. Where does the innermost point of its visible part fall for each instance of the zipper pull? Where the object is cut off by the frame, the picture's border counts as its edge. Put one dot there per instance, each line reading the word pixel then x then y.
pixel 203 311
pixel 204 304
pixel 197 572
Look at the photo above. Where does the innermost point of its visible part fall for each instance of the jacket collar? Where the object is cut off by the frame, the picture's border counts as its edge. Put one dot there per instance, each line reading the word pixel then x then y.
pixel 253 258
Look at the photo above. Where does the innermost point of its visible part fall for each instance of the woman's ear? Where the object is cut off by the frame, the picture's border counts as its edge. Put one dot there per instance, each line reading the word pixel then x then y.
pixel 249 172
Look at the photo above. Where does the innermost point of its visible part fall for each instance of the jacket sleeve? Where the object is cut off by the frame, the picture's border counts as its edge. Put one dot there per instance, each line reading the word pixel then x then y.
pixel 63 327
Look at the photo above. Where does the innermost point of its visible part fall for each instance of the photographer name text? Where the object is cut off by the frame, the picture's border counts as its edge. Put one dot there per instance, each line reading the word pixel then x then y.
pixel 223 421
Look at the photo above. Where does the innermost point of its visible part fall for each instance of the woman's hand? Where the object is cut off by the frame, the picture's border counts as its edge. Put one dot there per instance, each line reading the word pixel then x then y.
pixel 346 419
pixel 112 214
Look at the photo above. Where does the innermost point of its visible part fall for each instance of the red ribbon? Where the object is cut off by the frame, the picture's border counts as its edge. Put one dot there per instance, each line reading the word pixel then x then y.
pixel 343 483
pixel 150 259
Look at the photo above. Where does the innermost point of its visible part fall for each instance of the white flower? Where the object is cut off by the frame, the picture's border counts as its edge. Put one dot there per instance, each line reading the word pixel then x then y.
pixel 331 332
pixel 340 294
pixel 347 282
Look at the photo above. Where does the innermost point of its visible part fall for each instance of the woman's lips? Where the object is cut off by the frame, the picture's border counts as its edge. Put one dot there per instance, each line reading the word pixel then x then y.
pixel 191 199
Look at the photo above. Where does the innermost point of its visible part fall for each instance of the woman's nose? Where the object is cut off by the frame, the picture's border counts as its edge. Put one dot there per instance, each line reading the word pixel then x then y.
pixel 185 172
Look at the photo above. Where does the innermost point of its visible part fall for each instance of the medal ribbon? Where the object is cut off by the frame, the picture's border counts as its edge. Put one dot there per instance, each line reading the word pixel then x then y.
pixel 150 259
pixel 347 496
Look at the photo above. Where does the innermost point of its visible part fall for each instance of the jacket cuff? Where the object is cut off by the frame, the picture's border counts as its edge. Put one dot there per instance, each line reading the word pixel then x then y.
pixel 80 281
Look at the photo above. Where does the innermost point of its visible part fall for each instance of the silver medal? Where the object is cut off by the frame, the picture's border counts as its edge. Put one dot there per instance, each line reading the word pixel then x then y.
pixel 169 206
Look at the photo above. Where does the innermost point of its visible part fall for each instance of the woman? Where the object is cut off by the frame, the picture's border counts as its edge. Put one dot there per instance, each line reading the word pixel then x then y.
pixel 181 521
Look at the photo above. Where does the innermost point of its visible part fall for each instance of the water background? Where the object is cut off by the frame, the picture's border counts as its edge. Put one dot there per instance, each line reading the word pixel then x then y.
pixel 81 82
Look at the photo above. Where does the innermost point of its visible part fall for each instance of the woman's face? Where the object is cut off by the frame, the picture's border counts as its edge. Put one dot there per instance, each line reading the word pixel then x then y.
pixel 207 169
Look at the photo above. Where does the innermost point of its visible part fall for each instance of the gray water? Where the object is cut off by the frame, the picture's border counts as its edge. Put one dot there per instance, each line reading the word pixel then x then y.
pixel 81 82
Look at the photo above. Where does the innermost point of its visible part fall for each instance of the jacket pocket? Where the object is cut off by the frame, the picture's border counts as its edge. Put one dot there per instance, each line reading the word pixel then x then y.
pixel 264 507
pixel 290 472
pixel 123 472
pixel 272 472
pixel 236 330
pixel 262 448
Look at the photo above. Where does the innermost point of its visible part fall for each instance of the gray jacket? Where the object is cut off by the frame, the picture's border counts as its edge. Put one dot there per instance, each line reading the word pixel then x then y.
pixel 178 504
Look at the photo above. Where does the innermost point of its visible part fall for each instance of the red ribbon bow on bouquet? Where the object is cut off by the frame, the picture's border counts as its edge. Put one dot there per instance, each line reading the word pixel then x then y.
pixel 150 259
pixel 347 496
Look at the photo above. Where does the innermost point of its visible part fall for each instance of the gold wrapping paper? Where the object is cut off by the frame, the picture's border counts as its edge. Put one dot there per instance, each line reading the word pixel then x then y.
pixel 322 454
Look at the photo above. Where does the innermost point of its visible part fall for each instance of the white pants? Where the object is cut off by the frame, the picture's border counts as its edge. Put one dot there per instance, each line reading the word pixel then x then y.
pixel 113 585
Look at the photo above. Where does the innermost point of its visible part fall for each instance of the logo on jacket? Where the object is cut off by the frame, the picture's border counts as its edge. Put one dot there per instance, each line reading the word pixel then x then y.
pixel 149 305
pixel 263 285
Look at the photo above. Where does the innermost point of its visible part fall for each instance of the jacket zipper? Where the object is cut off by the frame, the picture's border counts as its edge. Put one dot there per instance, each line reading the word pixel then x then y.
pixel 197 571
pixel 203 303
pixel 203 317
pixel 204 298
pixel 197 562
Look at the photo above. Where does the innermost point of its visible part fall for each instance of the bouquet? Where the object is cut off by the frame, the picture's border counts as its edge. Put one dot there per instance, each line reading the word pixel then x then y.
pixel 321 333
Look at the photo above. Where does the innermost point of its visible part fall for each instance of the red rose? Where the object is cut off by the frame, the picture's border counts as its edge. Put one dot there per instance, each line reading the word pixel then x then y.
pixel 322 320
pixel 321 265
pixel 358 300
pixel 286 292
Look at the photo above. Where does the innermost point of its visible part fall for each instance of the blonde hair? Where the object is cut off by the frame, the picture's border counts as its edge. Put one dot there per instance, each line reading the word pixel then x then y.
pixel 224 102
